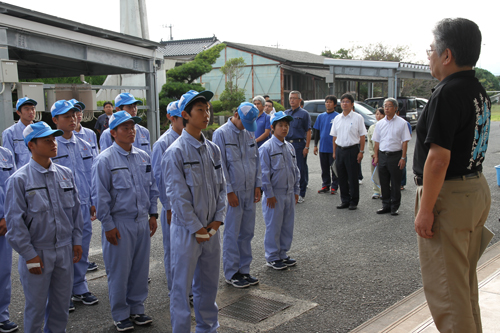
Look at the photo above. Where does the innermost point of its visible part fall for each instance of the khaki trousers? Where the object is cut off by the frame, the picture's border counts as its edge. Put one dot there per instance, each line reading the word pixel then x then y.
pixel 449 259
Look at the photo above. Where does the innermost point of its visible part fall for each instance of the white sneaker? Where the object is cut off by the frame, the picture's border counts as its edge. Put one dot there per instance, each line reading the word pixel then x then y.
pixel 301 199
pixel 360 181
pixel 375 196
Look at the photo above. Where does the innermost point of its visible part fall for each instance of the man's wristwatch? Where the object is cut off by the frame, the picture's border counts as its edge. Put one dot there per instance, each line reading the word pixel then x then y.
pixel 362 151
pixel 306 147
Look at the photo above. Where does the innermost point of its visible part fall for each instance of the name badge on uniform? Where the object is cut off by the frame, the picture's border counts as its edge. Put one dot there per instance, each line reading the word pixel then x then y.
pixel 66 186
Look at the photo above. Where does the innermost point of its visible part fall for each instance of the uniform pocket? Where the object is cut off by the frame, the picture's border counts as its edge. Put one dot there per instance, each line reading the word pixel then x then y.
pixel 218 173
pixel 277 161
pixel 193 173
pixel 233 153
pixel 252 149
pixel 67 191
pixel 38 199
pixel 120 179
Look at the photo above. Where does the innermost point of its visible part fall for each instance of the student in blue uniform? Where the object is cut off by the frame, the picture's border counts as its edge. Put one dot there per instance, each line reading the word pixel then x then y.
pixel 125 194
pixel 86 134
pixel 159 148
pixel 12 137
pixel 241 165
pixel 76 154
pixel 127 102
pixel 197 191
pixel 44 225
pixel 7 168
pixel 322 127
pixel 280 183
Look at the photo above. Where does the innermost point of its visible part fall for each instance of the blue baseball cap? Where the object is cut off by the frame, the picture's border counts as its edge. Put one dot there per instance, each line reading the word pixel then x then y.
pixel 39 130
pixel 61 107
pixel 173 109
pixel 193 95
pixel 277 116
pixel 78 104
pixel 25 100
pixel 126 99
pixel 120 117
pixel 248 114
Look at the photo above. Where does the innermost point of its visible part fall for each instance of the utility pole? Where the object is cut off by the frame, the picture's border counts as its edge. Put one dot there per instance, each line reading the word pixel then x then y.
pixel 277 45
pixel 170 27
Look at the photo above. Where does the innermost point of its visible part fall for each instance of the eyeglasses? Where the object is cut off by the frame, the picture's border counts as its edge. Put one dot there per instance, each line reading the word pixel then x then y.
pixel 429 52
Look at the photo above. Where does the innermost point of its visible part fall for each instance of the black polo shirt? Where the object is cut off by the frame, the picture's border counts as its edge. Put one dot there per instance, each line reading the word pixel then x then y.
pixel 457 117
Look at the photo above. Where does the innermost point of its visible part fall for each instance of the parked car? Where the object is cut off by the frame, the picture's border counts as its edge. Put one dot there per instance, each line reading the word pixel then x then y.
pixel 421 102
pixel 407 107
pixel 317 106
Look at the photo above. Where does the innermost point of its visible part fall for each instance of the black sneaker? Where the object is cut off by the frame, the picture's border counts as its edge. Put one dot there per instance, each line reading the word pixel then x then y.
pixel 324 189
pixel 191 300
pixel 92 267
pixel 124 325
pixel 87 298
pixel 289 262
pixel 277 264
pixel 238 281
pixel 250 279
pixel 140 319
pixel 8 326
pixel 71 306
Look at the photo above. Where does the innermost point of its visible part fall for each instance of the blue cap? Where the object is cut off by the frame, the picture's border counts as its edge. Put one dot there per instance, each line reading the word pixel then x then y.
pixel 78 104
pixel 120 117
pixel 173 109
pixel 193 95
pixel 25 100
pixel 125 99
pixel 277 116
pixel 61 107
pixel 39 130
pixel 248 114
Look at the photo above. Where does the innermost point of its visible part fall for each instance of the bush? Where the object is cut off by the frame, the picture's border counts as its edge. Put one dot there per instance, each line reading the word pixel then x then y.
pixel 278 107
pixel 231 100
pixel 216 106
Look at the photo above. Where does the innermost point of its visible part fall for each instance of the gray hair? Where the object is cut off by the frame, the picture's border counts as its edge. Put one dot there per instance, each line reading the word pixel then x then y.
pixel 393 101
pixel 260 99
pixel 295 92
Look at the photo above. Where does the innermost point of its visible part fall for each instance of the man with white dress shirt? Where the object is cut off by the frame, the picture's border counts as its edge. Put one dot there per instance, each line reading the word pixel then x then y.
pixel 391 138
pixel 348 131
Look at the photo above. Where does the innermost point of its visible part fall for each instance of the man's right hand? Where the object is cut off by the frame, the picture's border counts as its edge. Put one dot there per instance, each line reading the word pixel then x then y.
pixel 3 227
pixel 271 202
pixel 315 151
pixel 113 236
pixel 232 199
pixel 35 270
pixel 202 231
pixel 169 216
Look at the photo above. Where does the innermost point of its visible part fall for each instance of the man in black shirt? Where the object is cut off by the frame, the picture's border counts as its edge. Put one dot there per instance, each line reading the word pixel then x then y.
pixel 453 197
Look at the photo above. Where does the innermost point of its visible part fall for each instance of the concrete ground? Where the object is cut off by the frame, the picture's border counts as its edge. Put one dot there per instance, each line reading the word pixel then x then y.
pixel 352 265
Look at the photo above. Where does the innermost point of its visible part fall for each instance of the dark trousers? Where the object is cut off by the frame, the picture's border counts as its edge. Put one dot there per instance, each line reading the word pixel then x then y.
pixel 302 164
pixel 403 180
pixel 327 175
pixel 348 172
pixel 390 179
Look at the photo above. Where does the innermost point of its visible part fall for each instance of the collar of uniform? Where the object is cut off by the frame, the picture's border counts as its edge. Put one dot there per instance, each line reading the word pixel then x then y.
pixel 468 73
pixel 123 151
pixel 292 110
pixel 40 168
pixel 64 140
pixel 277 141
pixel 233 126
pixel 21 125
pixel 348 115
pixel 192 140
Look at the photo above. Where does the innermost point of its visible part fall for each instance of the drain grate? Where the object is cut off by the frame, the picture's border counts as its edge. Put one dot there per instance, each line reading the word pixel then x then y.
pixel 252 309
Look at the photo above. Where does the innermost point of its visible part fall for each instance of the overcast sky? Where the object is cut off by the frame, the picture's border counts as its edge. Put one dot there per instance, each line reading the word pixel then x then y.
pixel 313 26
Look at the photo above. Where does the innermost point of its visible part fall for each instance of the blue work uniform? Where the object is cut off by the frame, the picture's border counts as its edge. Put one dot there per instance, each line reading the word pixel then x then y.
pixel 7 168
pixel 88 136
pixel 44 219
pixel 159 149
pixel 297 136
pixel 13 140
pixel 197 191
pixel 76 155
pixel 141 139
pixel 323 124
pixel 280 179
pixel 263 123
pixel 241 166
pixel 124 192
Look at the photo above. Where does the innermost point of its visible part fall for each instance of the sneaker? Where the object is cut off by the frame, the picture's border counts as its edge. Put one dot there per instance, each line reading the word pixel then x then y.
pixel 289 262
pixel 8 326
pixel 124 325
pixel 360 182
pixel 149 279
pixel 301 199
pixel 191 300
pixel 71 306
pixel 87 298
pixel 333 191
pixel 324 189
pixel 238 281
pixel 140 319
pixel 92 267
pixel 252 280
pixel 278 264
pixel 375 196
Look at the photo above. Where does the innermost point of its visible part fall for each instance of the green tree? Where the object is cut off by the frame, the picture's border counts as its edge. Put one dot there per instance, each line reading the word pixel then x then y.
pixel 97 80
pixel 232 95
pixel 382 52
pixel 489 81
pixel 340 54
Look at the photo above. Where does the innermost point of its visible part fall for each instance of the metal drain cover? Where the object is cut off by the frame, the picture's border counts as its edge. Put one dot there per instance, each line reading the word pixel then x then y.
pixel 252 309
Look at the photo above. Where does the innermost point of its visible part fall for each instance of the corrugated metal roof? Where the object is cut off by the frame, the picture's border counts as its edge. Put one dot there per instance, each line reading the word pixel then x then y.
pixel 186 47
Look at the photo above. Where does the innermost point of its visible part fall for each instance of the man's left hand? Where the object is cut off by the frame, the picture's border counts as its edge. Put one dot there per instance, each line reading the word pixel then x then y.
pixel 152 226
pixel 305 151
pixel 77 253
pixel 401 164
pixel 360 157
pixel 3 227
pixel 423 224
pixel 214 226
pixel 92 213
pixel 257 195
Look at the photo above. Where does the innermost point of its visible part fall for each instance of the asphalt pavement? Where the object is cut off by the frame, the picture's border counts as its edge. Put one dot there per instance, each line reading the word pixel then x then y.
pixel 352 265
